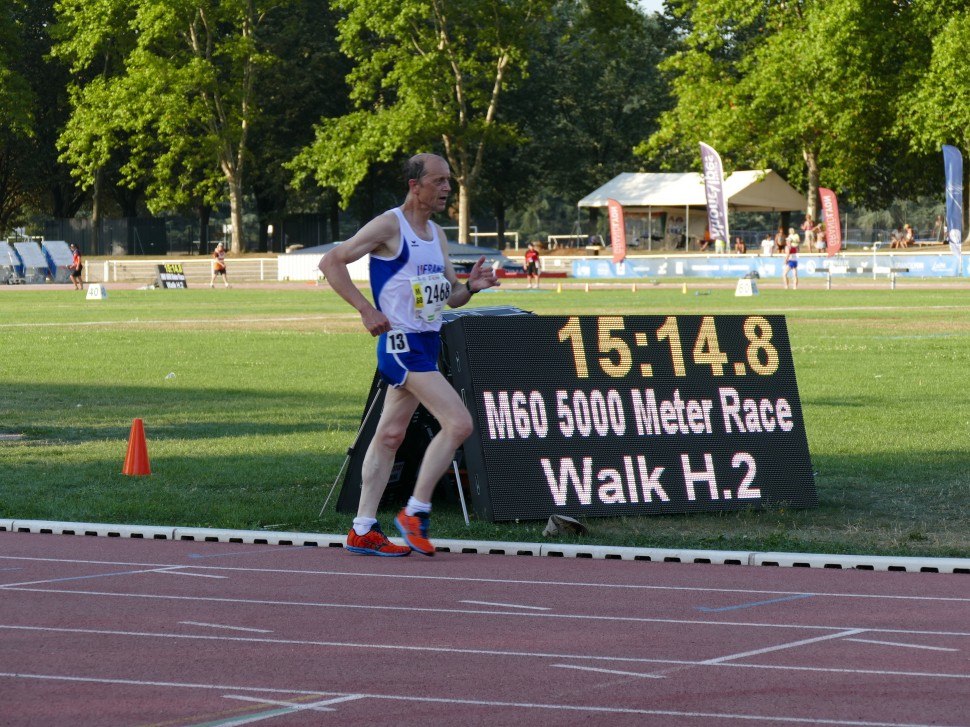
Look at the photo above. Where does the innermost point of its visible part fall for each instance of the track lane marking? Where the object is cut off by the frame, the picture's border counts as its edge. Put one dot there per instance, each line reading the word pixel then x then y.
pixel 506 605
pixel 557 707
pixel 907 646
pixel 481 612
pixel 609 671
pixel 506 581
pixel 718 662
pixel 752 604
pixel 782 647
pixel 224 626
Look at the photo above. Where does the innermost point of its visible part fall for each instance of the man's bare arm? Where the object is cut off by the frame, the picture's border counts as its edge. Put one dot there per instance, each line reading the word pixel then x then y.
pixel 375 236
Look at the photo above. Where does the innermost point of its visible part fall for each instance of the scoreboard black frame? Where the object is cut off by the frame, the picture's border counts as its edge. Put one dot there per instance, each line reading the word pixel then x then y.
pixel 599 416
pixel 171 275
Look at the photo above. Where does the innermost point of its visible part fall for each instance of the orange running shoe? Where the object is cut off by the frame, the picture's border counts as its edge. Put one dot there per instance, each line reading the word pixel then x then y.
pixel 414 530
pixel 374 543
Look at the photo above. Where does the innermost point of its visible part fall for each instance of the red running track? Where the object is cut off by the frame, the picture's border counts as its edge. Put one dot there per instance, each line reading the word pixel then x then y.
pixel 107 631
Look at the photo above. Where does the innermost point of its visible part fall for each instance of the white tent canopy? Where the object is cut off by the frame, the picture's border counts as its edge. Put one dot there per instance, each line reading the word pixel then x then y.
pixel 746 191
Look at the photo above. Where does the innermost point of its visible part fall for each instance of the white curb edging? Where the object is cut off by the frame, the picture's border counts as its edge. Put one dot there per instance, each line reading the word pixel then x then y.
pixel 485 547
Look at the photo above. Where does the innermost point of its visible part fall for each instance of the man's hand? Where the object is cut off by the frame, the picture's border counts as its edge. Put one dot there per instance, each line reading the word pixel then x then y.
pixel 481 276
pixel 375 321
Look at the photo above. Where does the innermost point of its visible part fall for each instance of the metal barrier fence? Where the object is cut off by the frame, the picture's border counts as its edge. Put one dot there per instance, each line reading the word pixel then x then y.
pixel 198 271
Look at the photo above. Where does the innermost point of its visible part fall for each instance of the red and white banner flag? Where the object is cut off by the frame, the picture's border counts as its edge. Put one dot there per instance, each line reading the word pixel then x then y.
pixel 833 227
pixel 617 230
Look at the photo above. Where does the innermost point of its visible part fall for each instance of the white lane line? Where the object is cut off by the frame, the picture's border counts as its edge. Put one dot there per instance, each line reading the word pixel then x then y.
pixel 782 647
pixel 908 646
pixel 287 708
pixel 224 626
pixel 556 707
pixel 175 572
pixel 506 605
pixel 18 586
pixel 480 612
pixel 508 581
pixel 609 671
pixel 477 652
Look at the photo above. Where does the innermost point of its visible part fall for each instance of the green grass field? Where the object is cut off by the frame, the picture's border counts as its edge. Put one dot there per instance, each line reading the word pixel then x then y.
pixel 269 385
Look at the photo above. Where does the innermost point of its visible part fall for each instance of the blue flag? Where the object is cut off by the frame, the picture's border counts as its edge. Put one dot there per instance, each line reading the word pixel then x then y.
pixel 953 165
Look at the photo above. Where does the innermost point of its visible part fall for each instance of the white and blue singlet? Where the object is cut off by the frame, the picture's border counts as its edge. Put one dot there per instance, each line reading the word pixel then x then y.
pixel 411 290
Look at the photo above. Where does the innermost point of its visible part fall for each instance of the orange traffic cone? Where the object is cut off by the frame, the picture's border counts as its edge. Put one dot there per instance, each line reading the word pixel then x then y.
pixel 136 461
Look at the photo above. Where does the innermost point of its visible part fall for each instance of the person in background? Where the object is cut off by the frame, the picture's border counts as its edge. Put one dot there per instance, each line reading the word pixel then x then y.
pixel 219 266
pixel 706 240
pixel 780 243
pixel 808 227
pixel 767 245
pixel 791 259
pixel 739 247
pixel 532 266
pixel 908 237
pixel 77 265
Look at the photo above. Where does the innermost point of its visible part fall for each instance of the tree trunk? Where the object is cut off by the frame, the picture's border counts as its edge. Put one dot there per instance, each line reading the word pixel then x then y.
pixel 811 168
pixel 205 211
pixel 334 218
pixel 235 213
pixel 500 226
pixel 464 216
pixel 96 216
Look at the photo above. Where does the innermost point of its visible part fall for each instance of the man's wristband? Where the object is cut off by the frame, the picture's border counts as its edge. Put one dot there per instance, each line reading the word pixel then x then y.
pixel 468 287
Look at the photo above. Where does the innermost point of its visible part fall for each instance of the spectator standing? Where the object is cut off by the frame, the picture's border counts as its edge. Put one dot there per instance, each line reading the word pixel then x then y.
pixel 219 266
pixel 780 243
pixel 77 265
pixel 739 247
pixel 808 227
pixel 767 245
pixel 791 259
pixel 532 266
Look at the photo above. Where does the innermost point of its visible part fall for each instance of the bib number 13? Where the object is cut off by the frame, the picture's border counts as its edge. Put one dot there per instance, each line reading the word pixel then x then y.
pixel 397 342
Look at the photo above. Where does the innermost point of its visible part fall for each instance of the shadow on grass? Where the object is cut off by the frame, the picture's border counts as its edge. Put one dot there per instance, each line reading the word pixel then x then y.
pixel 67 413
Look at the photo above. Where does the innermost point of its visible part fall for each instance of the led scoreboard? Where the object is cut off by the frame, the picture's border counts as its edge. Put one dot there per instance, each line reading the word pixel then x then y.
pixel 171 275
pixel 629 415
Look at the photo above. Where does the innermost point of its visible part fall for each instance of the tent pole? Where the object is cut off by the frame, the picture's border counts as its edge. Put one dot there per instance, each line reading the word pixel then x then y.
pixel 686 228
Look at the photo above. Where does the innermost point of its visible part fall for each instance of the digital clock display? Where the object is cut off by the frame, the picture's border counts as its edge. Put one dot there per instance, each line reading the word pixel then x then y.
pixel 171 275
pixel 628 415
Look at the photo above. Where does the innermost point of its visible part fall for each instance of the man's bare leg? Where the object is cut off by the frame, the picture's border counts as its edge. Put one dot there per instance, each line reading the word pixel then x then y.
pixel 443 402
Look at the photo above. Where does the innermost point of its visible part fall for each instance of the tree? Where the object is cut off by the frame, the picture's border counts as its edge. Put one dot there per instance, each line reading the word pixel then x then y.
pixel 807 88
pixel 938 110
pixel 307 80
pixel 196 63
pixel 16 115
pixel 427 72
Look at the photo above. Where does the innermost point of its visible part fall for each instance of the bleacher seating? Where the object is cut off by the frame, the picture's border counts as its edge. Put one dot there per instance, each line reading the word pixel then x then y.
pixel 59 259
pixel 35 267
pixel 11 268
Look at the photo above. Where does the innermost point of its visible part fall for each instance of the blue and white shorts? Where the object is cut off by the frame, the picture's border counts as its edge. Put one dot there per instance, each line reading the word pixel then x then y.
pixel 399 353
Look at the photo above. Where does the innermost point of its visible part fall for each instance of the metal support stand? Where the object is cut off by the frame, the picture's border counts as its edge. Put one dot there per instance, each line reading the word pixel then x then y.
pixel 461 494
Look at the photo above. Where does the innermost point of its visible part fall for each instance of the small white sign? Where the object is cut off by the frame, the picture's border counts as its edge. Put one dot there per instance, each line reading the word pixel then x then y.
pixel 97 292
pixel 746 287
